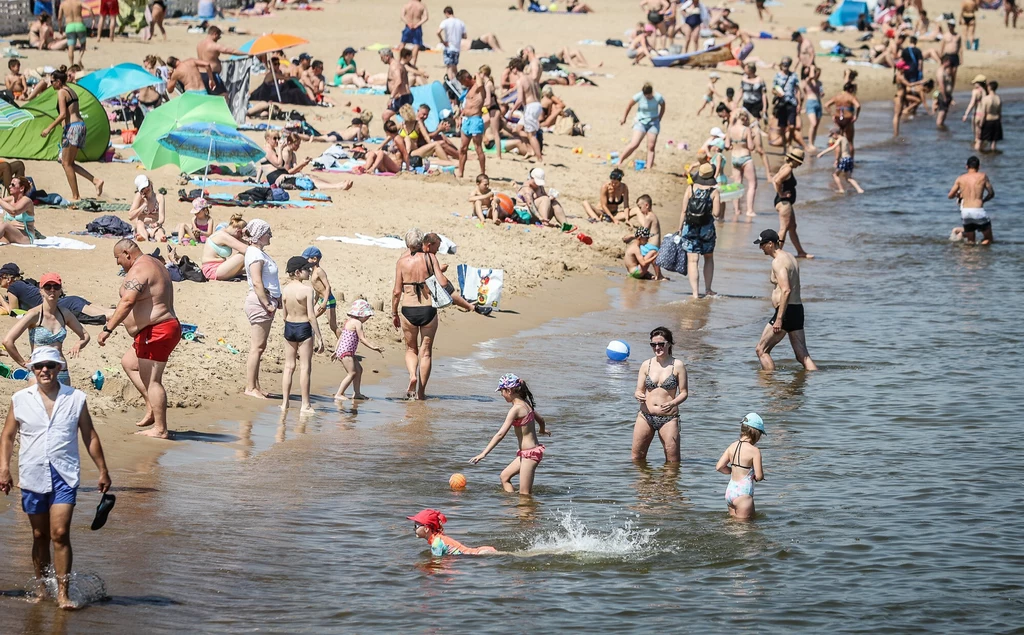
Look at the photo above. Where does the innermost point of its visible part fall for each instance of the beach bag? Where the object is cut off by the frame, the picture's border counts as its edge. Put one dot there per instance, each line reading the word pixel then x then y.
pixel 304 183
pixel 255 195
pixel 671 256
pixel 481 286
pixel 278 194
pixel 189 270
pixel 700 207
pixel 439 296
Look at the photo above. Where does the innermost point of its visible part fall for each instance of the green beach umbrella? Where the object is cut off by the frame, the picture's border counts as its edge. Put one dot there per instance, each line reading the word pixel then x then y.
pixel 11 117
pixel 188 108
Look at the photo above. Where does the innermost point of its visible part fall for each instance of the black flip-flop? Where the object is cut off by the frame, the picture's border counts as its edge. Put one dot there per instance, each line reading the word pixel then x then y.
pixel 103 510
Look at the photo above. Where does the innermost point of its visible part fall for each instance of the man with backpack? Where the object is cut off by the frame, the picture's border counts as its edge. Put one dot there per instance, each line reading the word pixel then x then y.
pixel 701 205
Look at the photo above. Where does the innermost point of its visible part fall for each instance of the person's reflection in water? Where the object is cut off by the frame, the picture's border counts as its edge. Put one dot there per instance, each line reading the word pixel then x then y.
pixel 245 443
pixel 657 489
pixel 41 618
pixel 784 394
pixel 527 509
pixel 282 428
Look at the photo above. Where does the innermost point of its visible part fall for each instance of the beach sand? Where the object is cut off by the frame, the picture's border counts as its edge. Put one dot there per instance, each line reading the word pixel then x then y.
pixel 207 377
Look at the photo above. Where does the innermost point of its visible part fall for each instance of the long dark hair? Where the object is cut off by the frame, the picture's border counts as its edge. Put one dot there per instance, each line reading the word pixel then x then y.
pixel 523 392
pixel 667 334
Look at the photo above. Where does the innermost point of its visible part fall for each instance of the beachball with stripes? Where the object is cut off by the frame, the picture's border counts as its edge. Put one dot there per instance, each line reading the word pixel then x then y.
pixel 617 351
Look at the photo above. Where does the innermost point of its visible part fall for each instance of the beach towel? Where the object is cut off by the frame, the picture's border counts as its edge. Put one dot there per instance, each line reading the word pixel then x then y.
pixel 56 242
pixel 481 286
pixel 109 225
pixel 198 182
pixel 236 79
pixel 387 242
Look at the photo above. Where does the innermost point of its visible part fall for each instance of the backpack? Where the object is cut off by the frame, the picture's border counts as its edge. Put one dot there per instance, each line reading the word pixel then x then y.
pixel 699 209
pixel 189 270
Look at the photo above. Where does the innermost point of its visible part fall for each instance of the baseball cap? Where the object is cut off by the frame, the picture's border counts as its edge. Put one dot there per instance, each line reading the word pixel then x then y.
pixel 348 51
pixel 141 182
pixel 298 263
pixel 430 518
pixel 717 132
pixel 768 236
pixel 754 420
pixel 50 277
pixel 312 252
pixel 305 56
pixel 42 354
pixel 786 61
pixel 537 175
pixel 10 269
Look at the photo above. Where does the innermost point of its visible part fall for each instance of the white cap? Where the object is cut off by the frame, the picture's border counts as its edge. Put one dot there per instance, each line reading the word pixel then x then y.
pixel 714 75
pixel 42 354
pixel 717 132
pixel 537 175
pixel 141 182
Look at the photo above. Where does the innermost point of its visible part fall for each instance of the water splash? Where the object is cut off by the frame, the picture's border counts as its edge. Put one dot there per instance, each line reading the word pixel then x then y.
pixel 572 537
pixel 83 589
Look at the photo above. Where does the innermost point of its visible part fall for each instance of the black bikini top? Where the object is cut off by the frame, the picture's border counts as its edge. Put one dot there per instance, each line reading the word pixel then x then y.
pixel 736 458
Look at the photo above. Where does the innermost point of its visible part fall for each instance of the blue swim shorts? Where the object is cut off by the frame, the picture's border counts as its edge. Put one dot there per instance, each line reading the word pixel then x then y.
pixel 472 126
pixel 412 36
pixel 451 58
pixel 62 494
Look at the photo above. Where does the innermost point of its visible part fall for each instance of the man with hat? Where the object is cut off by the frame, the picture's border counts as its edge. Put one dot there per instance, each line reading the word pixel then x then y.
pixel 147 311
pixel 541 204
pixel 49 417
pixel 788 318
pixel 784 88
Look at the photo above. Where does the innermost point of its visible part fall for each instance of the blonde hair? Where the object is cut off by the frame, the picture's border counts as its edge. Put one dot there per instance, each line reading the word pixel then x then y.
pixel 236 222
pixel 486 70
pixel 414 239
pixel 407 113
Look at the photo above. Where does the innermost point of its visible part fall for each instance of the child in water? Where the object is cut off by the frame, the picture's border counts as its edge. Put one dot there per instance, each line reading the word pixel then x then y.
pixel 844 160
pixel 301 331
pixel 743 463
pixel 429 525
pixel 350 336
pixel 521 416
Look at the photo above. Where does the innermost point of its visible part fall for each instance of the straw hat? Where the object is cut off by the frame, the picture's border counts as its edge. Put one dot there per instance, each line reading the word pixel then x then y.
pixel 979 79
pixel 796 155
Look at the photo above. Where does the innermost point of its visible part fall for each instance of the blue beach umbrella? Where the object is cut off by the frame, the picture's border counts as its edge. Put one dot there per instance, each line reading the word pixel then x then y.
pixel 215 142
pixel 11 116
pixel 117 80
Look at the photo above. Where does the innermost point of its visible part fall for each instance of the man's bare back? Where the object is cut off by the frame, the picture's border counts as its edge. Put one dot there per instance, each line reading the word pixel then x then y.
pixel 188 73
pixel 970 188
pixel 398 79
pixel 209 51
pixel 992 106
pixel 70 11
pixel 412 13
pixel 785 261
pixel 152 281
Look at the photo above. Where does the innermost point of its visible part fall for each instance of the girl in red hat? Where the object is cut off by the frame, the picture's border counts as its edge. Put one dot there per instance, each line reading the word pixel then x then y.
pixel 429 525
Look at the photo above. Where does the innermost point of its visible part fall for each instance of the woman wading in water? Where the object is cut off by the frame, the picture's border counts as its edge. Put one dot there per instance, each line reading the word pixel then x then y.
pixel 660 387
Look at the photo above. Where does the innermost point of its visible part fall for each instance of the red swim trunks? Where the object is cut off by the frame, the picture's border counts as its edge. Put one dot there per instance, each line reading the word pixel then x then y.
pixel 156 341
pixel 109 7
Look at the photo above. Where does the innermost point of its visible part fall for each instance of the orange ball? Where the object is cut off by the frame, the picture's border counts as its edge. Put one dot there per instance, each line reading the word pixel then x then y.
pixel 457 481
pixel 506 204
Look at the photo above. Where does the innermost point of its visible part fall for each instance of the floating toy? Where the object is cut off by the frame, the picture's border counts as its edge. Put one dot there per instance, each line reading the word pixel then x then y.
pixel 457 481
pixel 617 351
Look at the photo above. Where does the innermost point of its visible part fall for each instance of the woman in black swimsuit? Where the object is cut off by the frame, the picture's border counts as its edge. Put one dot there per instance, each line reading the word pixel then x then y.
pixel 785 188
pixel 660 387
pixel 418 319
pixel 614 194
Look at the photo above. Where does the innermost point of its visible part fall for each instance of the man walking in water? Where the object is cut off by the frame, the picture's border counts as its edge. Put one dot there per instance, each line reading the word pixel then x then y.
pixel 973 190
pixel 147 310
pixel 788 318
pixel 49 416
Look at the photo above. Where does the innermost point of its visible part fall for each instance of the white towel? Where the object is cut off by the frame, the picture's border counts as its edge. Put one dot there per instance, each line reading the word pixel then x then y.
pixel 56 242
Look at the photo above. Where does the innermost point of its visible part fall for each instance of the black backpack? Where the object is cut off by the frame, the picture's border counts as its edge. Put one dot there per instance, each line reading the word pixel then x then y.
pixel 699 209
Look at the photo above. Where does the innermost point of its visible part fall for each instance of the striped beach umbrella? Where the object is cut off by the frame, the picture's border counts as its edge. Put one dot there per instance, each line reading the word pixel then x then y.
pixel 11 116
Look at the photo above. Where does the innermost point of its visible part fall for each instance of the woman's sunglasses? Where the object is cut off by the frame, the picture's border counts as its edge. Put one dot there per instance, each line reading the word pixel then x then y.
pixel 46 365
pixel 51 287
pixel 659 344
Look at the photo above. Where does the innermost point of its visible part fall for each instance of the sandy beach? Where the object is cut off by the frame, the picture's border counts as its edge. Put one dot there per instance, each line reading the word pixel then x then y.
pixel 204 375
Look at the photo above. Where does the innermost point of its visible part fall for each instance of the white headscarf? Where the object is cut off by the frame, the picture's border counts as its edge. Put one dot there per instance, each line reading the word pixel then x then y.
pixel 256 228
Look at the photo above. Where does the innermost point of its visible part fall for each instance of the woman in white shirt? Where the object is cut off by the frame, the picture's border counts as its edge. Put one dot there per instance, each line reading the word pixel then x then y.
pixel 262 300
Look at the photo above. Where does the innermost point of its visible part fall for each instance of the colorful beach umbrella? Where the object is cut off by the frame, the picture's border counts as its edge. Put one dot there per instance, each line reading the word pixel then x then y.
pixel 11 116
pixel 117 80
pixel 189 108
pixel 271 42
pixel 214 142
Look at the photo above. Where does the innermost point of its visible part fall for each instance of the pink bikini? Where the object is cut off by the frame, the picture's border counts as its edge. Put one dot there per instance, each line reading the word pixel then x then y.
pixel 535 453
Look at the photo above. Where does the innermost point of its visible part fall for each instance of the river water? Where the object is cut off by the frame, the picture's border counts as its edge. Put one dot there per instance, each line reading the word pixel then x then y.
pixel 888 505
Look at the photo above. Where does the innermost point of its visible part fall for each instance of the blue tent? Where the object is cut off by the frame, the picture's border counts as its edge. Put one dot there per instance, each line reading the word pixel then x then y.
pixel 847 13
pixel 433 95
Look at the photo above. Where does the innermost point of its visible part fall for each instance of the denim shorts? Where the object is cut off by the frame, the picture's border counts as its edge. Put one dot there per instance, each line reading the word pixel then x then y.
pixel 651 127
pixel 62 494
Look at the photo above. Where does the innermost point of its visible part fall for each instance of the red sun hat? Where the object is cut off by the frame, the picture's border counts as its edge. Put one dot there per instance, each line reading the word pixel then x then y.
pixel 430 518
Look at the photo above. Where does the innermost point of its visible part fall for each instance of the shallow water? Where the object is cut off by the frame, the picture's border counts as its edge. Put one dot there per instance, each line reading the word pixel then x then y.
pixel 888 504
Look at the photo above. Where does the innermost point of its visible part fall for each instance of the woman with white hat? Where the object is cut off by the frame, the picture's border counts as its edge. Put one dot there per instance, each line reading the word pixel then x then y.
pixel 785 187
pixel 147 211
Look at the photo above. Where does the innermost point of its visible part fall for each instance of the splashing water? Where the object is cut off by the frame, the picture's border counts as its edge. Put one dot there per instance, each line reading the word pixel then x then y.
pixel 83 588
pixel 574 538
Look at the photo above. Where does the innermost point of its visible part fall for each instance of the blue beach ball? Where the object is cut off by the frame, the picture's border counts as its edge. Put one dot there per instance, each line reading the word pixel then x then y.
pixel 617 351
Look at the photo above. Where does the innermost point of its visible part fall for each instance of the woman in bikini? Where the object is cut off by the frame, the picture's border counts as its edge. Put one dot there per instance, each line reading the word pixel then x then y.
pixel 740 140
pixel 153 96
pixel 493 111
pixel 224 252
pixel 291 168
pixel 147 211
pixel 389 157
pixel 660 387
pixel 47 325
pixel 785 196
pixel 614 195
pixel 811 85
pixel 74 135
pixel 418 318
pixel 19 224
pixel 846 109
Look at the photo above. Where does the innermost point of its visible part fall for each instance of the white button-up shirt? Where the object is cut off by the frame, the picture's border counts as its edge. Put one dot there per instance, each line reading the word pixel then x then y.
pixel 48 439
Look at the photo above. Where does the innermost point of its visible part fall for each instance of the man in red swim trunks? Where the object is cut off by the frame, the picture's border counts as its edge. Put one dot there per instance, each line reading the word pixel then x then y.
pixel 147 310
pixel 108 9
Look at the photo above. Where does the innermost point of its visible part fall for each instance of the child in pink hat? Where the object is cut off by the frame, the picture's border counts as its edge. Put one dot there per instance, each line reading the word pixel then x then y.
pixel 348 342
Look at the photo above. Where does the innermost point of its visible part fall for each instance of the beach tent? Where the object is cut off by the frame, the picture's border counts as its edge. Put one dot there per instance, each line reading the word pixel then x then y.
pixel 435 96
pixel 847 13
pixel 24 141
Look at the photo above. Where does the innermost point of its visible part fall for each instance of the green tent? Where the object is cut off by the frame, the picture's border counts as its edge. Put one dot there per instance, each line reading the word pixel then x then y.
pixel 25 142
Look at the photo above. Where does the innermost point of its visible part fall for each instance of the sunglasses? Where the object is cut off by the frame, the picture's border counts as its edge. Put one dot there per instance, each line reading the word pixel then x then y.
pixel 51 287
pixel 416 526
pixel 46 365
pixel 659 344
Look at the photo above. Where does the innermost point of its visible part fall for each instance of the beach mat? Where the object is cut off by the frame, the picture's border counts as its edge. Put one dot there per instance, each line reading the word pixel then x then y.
pixel 709 57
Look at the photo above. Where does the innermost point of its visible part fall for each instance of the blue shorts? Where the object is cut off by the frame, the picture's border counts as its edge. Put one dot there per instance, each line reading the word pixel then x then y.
pixel 699 240
pixel 451 58
pixel 412 36
pixel 472 126
pixel 813 107
pixel 651 127
pixel 62 494
pixel 398 102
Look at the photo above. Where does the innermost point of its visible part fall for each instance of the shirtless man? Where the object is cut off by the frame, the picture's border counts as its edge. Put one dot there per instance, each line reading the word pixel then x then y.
pixel 15 81
pixel 944 99
pixel 297 71
pixel 804 50
pixel 968 15
pixel 398 84
pixel 472 120
pixel 147 311
pixel 190 73
pixel 414 16
pixel 209 50
pixel 636 261
pixel 973 190
pixel 41 35
pixel 992 122
pixel 952 46
pixel 789 310
pixel 324 300
pixel 70 14
pixel 527 97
